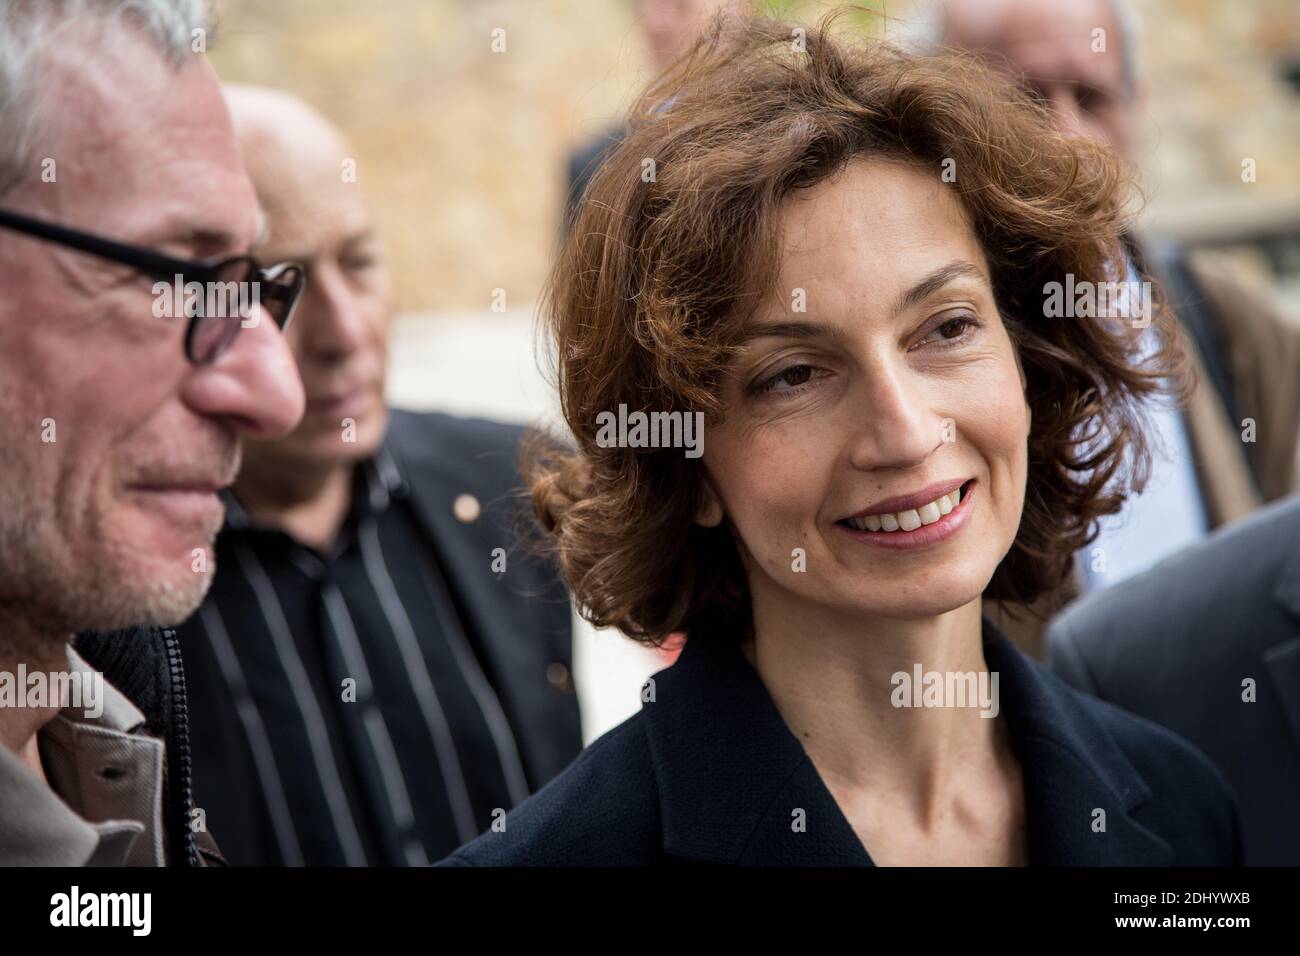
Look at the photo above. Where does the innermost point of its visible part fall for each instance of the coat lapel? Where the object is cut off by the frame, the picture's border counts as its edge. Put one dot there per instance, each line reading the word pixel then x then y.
pixel 1080 788
pixel 732 778
pixel 1283 660
pixel 518 620
pixel 736 786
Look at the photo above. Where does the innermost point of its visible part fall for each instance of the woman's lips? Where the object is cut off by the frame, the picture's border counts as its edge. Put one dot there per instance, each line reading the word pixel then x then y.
pixel 926 535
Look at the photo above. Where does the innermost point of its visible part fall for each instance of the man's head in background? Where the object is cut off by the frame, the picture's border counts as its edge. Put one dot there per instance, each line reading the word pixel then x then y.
pixel 304 174
pixel 670 26
pixel 1051 46
pixel 113 443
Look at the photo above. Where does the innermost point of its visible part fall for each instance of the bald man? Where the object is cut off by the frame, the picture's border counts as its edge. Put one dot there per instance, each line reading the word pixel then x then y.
pixel 377 674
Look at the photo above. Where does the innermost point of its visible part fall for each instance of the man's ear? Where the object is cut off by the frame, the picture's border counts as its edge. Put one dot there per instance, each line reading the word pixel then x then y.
pixel 709 513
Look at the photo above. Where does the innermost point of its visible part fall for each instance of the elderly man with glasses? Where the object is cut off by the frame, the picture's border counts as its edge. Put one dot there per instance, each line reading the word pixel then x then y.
pixel 120 422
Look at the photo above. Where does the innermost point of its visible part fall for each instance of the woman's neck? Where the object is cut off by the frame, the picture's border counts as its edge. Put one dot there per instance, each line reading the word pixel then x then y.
pixel 844 684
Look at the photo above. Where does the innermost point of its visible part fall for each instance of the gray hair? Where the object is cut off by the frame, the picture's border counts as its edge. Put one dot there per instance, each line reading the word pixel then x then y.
pixel 29 31
pixel 923 32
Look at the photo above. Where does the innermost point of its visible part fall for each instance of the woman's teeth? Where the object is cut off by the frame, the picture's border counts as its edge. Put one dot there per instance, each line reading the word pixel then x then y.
pixel 908 520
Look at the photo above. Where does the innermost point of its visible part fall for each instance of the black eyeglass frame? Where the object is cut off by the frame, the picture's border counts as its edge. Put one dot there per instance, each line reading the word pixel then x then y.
pixel 164 267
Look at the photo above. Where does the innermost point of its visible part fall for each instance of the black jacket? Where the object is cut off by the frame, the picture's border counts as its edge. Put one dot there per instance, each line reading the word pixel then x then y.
pixel 144 664
pixel 522 622
pixel 709 773
pixel 1176 643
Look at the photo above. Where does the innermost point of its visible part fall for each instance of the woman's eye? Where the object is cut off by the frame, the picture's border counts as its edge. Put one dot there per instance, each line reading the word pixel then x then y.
pixel 951 330
pixel 792 378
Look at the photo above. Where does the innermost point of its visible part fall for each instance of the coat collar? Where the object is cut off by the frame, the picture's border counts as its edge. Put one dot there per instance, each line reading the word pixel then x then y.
pixel 437 479
pixel 519 621
pixel 732 778
pixel 101 802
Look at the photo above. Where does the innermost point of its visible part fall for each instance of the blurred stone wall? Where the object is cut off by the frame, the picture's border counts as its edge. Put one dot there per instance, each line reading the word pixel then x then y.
pixel 1223 83
pixel 463 149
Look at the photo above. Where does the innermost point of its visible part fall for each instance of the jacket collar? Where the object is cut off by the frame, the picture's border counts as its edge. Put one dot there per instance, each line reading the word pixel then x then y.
pixel 437 479
pixel 520 622
pixel 732 778
pixel 103 804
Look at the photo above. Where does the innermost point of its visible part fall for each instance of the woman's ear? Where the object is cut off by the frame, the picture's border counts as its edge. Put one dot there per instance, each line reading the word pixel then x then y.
pixel 709 512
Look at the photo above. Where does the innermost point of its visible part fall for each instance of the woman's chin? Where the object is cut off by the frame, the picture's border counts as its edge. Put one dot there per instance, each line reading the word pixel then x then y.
pixel 916 607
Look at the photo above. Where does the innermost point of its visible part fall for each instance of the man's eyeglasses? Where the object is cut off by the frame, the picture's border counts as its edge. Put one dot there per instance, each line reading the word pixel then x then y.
pixel 278 288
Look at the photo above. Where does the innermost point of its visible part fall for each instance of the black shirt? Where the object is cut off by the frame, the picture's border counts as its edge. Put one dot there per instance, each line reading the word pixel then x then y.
pixel 375 735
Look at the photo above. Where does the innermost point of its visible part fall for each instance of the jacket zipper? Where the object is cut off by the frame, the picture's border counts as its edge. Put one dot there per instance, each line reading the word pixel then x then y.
pixel 180 783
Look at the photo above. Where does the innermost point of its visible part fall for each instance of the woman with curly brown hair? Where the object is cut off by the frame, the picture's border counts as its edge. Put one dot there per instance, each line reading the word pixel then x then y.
pixel 839 255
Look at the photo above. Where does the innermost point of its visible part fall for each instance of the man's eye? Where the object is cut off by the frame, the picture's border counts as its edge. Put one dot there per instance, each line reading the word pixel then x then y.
pixel 357 263
pixel 1091 99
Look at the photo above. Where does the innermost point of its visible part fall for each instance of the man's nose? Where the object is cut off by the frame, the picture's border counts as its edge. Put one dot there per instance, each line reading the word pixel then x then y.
pixel 1070 117
pixel 254 385
pixel 334 326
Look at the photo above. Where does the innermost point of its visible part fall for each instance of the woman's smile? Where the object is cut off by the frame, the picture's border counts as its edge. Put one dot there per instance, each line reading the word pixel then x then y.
pixel 932 523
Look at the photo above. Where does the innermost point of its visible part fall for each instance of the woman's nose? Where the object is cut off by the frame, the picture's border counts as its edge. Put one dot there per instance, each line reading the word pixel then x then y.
pixel 896 425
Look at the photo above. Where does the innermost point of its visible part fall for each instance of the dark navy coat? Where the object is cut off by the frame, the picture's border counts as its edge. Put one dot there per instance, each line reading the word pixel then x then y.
pixel 709 773
pixel 1175 643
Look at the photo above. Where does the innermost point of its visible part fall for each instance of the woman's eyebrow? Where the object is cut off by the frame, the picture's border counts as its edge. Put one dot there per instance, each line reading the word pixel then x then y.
pixel 936 280
pixel 791 330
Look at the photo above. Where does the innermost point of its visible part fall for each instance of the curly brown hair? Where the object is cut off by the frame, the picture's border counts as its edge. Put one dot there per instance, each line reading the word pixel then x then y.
pixel 659 272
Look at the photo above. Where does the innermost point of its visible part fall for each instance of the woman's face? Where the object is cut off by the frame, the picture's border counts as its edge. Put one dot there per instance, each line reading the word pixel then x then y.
pixel 877 381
